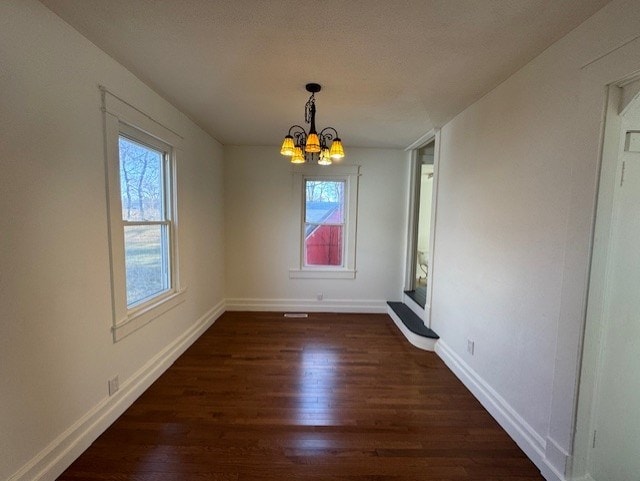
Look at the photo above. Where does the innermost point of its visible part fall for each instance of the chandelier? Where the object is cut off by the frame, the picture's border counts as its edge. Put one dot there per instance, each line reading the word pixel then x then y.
pixel 302 146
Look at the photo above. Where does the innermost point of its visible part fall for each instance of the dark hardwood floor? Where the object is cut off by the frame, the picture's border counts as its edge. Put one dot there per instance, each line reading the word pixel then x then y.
pixel 331 397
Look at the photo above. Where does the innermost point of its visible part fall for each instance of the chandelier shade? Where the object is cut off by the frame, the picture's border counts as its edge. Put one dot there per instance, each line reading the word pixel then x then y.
pixel 336 152
pixel 313 143
pixel 288 147
pixel 325 158
pixel 310 145
pixel 297 157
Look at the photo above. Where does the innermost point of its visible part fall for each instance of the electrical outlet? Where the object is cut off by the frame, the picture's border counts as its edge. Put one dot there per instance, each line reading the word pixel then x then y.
pixel 114 385
pixel 470 346
pixel 320 296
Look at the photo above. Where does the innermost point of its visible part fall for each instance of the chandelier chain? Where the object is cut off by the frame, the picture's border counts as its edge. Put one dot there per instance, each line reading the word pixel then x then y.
pixel 308 107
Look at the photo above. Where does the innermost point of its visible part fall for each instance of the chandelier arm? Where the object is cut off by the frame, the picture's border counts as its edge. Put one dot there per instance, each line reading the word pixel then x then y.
pixel 301 138
pixel 292 132
pixel 327 136
pixel 335 132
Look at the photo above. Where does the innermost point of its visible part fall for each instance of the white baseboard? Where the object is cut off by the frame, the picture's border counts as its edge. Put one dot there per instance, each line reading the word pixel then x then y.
pixel 556 459
pixel 549 472
pixel 308 305
pixel 49 463
pixel 586 477
pixel 534 445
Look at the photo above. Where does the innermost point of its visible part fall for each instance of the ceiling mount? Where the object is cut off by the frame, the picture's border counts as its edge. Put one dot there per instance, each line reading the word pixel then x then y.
pixel 313 88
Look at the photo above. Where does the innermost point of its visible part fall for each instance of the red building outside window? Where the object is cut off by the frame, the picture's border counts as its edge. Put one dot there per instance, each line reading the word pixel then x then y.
pixel 324 222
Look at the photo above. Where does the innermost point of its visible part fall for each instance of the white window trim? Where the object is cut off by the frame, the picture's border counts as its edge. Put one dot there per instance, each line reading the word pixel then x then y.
pixel 350 175
pixel 119 116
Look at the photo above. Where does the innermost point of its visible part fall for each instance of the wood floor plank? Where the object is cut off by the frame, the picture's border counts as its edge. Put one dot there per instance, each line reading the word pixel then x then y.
pixel 330 397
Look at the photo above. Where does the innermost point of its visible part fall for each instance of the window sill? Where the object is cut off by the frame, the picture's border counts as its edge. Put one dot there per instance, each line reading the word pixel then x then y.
pixel 138 318
pixel 322 274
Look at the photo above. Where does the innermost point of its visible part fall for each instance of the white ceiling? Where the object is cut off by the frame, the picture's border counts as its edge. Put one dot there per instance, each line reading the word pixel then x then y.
pixel 390 69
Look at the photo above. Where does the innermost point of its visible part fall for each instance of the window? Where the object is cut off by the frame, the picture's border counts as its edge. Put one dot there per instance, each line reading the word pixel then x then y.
pixel 142 204
pixel 324 222
pixel 326 203
pixel 145 192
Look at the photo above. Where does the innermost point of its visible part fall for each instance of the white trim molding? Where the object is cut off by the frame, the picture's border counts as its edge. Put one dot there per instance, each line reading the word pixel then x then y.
pixel 412 221
pixel 349 174
pixel 49 463
pixel 586 477
pixel 422 140
pixel 556 460
pixel 432 226
pixel 433 136
pixel 370 306
pixel 310 273
pixel 137 319
pixel 132 115
pixel 121 118
pixel 533 445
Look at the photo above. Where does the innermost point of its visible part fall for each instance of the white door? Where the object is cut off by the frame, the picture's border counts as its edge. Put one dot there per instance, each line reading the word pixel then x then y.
pixel 615 454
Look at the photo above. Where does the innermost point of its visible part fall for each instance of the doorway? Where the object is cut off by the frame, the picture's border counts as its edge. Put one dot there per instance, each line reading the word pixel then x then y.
pixel 422 215
pixel 424 193
pixel 608 428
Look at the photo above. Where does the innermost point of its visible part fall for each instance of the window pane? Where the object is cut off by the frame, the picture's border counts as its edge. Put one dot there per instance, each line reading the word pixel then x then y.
pixel 323 245
pixel 324 201
pixel 146 252
pixel 141 181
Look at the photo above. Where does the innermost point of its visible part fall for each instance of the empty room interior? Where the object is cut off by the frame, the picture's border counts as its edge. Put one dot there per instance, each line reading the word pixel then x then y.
pixel 366 240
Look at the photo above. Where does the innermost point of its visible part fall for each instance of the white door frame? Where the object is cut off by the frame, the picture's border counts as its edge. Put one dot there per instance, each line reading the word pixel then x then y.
pixel 611 148
pixel 412 221
pixel 564 437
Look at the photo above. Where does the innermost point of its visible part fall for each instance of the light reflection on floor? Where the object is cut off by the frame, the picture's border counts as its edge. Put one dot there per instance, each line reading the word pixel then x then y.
pixel 158 455
pixel 317 383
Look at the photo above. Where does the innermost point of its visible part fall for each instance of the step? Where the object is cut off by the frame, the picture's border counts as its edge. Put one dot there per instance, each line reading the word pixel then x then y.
pixel 413 305
pixel 418 295
pixel 412 327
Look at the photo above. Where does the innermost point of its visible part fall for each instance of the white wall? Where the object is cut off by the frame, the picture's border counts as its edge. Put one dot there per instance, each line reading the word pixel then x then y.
pixel 56 347
pixel 518 172
pixel 258 196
